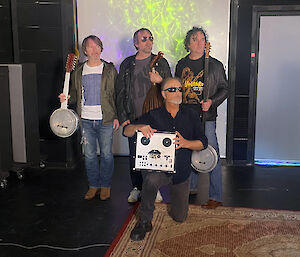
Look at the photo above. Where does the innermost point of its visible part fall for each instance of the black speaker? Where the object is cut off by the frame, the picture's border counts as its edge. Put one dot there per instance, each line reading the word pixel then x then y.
pixel 23 113
pixel 5 131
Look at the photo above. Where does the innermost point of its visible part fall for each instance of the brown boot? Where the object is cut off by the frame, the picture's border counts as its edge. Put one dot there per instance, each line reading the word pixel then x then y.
pixel 212 204
pixel 91 193
pixel 105 193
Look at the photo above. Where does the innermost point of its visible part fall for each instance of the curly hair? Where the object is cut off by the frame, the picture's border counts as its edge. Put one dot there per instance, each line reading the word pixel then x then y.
pixel 191 33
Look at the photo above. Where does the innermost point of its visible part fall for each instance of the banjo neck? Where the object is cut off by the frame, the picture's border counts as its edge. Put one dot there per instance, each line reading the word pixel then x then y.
pixel 64 105
pixel 206 61
pixel 70 65
pixel 205 88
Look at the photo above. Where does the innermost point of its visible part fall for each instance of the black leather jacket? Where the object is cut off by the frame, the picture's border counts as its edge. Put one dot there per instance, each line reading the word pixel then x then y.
pixel 217 84
pixel 124 101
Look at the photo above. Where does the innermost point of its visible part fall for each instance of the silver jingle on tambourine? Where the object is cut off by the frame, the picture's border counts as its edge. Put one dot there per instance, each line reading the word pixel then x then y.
pixel 64 122
pixel 205 160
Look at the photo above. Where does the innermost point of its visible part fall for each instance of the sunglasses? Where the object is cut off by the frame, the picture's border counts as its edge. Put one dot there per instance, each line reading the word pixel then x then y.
pixel 173 89
pixel 144 39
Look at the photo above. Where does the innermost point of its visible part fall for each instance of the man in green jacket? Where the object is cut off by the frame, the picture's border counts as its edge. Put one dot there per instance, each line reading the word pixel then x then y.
pixel 92 89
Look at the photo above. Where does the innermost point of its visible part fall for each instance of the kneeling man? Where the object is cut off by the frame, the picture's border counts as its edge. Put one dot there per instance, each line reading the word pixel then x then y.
pixel 172 117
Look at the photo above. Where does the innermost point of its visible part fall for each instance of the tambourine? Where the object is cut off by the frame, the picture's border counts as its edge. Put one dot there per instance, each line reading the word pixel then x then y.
pixel 64 122
pixel 205 160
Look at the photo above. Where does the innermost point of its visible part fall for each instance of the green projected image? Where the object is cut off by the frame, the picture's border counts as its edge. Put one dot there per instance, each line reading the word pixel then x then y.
pixel 168 20
pixel 115 21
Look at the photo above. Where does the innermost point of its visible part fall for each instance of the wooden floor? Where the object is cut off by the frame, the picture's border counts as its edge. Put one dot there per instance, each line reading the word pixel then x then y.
pixel 44 214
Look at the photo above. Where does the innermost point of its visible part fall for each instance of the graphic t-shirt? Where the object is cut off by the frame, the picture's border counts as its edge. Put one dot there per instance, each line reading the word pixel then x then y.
pixel 192 76
pixel 141 84
pixel 91 92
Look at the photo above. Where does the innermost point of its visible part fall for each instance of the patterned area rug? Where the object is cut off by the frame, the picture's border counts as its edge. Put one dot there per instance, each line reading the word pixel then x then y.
pixel 223 232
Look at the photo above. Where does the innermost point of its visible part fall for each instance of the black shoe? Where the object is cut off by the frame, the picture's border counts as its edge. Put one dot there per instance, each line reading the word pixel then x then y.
pixel 140 230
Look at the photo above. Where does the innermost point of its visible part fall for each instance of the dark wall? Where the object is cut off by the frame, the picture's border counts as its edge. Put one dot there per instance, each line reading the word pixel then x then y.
pixel 41 32
pixel 6 46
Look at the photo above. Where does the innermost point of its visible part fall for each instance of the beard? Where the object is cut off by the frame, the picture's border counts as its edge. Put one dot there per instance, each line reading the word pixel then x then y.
pixel 175 100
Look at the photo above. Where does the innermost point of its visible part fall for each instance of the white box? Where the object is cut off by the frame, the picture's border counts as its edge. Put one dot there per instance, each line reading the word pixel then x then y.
pixel 156 153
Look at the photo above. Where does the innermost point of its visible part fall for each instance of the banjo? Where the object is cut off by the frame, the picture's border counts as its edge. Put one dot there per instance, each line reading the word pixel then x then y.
pixel 205 160
pixel 63 121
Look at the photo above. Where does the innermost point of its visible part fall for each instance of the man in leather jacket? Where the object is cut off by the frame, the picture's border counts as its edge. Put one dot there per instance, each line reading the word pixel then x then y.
pixel 132 84
pixel 191 71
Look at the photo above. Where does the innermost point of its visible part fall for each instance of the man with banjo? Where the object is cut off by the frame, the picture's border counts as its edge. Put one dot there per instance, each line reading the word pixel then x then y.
pixel 134 80
pixel 172 117
pixel 204 90
pixel 92 89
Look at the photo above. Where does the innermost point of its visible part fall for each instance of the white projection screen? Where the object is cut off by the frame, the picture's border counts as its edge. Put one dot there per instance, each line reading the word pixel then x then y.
pixel 277 135
pixel 115 21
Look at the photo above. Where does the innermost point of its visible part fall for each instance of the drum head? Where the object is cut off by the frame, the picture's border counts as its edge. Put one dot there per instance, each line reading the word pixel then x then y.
pixel 204 161
pixel 64 122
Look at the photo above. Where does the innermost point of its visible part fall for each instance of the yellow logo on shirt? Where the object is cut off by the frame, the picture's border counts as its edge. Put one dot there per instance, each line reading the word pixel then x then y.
pixel 193 84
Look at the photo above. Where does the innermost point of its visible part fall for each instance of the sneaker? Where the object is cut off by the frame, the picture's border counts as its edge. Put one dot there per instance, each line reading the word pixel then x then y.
pixel 134 195
pixel 158 198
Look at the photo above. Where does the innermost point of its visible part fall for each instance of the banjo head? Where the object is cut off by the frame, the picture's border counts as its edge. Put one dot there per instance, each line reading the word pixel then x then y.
pixel 64 122
pixel 205 160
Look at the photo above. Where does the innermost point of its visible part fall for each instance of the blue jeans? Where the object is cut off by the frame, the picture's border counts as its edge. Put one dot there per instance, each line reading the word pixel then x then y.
pixel 215 176
pixel 93 131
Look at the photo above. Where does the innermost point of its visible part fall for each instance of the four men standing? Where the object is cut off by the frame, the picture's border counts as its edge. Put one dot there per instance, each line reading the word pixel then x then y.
pixel 103 98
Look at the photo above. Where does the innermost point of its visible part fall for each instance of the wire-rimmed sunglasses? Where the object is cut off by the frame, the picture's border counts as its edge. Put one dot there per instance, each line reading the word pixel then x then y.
pixel 144 39
pixel 173 89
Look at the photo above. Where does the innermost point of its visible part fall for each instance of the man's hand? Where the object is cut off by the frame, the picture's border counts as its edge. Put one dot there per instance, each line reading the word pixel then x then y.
pixel 155 77
pixel 63 98
pixel 206 104
pixel 179 141
pixel 125 123
pixel 147 130
pixel 115 124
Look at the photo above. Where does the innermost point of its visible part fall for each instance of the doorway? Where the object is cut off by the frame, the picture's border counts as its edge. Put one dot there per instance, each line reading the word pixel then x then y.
pixel 274 85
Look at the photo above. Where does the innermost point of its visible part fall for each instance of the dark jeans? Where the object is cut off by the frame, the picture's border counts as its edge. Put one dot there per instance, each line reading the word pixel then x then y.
pixel 179 193
pixel 136 176
pixel 215 176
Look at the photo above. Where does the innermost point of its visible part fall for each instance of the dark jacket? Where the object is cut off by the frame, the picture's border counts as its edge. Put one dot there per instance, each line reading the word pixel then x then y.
pixel 124 101
pixel 217 83
pixel 108 107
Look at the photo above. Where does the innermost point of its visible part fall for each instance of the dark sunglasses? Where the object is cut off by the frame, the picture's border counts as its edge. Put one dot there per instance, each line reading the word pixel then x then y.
pixel 144 39
pixel 173 89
